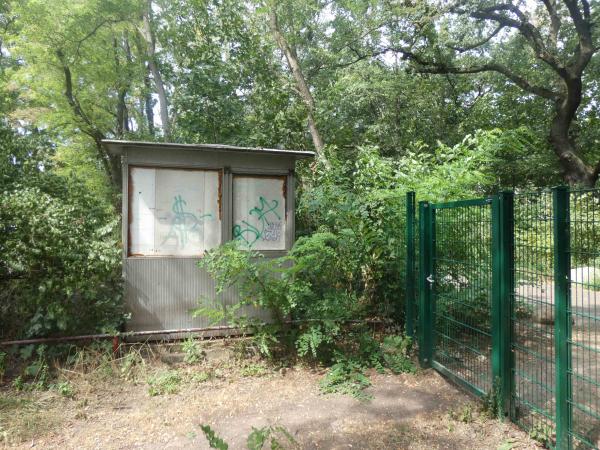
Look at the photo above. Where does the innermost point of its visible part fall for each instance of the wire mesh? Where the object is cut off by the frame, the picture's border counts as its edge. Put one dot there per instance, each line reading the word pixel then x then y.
pixel 415 299
pixel 462 291
pixel 584 344
pixel 462 305
pixel 532 316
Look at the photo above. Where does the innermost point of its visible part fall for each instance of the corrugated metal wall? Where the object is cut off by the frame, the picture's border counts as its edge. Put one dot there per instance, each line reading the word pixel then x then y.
pixel 161 292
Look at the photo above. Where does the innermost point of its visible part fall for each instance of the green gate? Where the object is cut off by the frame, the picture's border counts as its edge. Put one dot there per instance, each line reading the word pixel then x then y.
pixel 509 306
pixel 465 292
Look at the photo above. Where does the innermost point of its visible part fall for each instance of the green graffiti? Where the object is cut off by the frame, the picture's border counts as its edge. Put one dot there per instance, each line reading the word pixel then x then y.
pixel 265 229
pixel 184 223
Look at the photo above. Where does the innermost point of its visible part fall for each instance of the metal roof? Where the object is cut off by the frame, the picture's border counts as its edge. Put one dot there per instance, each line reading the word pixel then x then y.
pixel 116 147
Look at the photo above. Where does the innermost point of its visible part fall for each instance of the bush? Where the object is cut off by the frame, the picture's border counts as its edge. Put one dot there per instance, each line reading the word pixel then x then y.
pixel 347 378
pixel 60 267
pixel 60 271
pixel 316 284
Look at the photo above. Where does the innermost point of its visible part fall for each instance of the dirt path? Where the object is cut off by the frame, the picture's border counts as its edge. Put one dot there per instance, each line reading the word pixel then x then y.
pixel 421 411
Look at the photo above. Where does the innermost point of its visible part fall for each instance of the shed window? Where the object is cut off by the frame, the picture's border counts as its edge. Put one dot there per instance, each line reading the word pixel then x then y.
pixel 173 212
pixel 259 212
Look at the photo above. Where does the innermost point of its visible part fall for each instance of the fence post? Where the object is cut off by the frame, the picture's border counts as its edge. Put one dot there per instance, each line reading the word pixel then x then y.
pixel 502 295
pixel 426 246
pixel 560 206
pixel 409 279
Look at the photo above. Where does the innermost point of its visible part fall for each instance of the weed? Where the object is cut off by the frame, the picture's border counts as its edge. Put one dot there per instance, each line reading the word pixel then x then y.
pixel 492 402
pixel 253 370
pixel 201 377
pixel 542 433
pixel 276 437
pixel 65 389
pixel 164 383
pixel 18 383
pixel 192 350
pixel 273 436
pixel 242 349
pixel 346 377
pixel 38 371
pixel 464 414
pixel 396 354
pixel 214 441
pixel 508 444
pixel 129 363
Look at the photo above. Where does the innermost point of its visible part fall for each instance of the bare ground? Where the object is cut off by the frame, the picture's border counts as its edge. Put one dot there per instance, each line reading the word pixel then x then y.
pixel 421 411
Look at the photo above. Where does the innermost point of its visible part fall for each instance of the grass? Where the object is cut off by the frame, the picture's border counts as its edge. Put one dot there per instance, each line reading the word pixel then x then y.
pixel 95 390
pixel 23 417
pixel 201 377
pixel 192 350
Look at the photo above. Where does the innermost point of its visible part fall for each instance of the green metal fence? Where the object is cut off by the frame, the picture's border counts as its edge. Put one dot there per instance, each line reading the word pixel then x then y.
pixel 509 302
pixel 532 404
pixel 582 331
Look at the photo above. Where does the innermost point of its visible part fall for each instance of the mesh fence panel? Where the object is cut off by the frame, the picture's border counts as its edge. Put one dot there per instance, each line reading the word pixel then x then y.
pixel 532 317
pixel 584 345
pixel 463 281
pixel 554 324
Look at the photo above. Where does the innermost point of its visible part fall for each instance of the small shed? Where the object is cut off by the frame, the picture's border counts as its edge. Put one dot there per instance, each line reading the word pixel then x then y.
pixel 180 200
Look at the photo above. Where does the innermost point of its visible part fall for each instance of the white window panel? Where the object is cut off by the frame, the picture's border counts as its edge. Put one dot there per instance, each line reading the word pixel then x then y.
pixel 181 216
pixel 142 207
pixel 259 212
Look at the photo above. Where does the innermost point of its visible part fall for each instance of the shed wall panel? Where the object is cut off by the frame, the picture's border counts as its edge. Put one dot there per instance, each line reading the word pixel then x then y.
pixel 161 292
pixel 143 204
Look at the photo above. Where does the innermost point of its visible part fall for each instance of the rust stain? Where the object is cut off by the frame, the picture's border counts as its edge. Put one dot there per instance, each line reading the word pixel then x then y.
pixel 220 195
pixel 284 188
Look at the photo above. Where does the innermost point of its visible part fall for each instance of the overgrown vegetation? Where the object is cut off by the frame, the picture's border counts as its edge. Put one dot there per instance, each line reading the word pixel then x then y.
pixel 60 266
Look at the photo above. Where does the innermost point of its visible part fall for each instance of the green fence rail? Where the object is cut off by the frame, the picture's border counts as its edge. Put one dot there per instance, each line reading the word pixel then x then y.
pixel 508 291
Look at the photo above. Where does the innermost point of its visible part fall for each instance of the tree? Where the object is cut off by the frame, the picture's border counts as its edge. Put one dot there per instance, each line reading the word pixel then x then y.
pixel 545 51
pixel 301 84
pixel 85 65
pixel 147 31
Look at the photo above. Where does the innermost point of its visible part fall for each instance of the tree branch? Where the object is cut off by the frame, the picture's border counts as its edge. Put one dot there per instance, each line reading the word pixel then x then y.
pixel 438 68
pixel 89 128
pixel 585 48
pixel 555 22
pixel 94 31
pixel 479 43
pixel 525 28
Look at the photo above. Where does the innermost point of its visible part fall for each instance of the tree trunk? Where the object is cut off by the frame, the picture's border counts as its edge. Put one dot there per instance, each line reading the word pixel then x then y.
pixel 575 171
pixel 110 163
pixel 148 106
pixel 301 84
pixel 148 34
